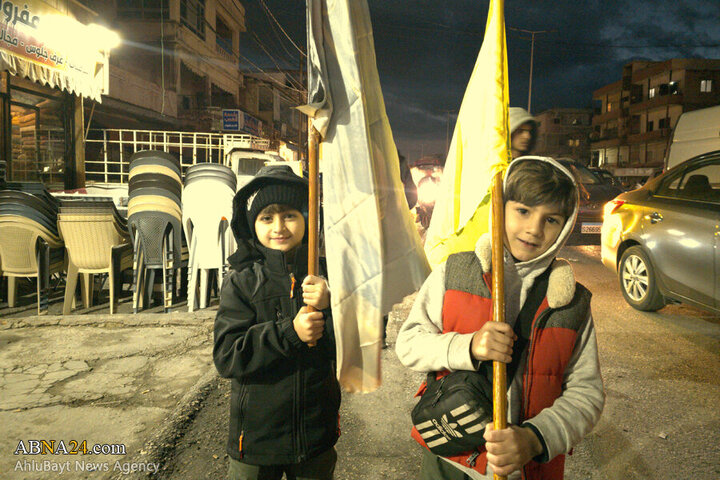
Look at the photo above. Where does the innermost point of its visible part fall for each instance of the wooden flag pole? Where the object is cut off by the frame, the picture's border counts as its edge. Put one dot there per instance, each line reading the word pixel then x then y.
pixel 313 203
pixel 498 298
pixel 313 199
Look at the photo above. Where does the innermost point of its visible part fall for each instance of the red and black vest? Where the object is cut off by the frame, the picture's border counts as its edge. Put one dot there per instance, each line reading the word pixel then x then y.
pixel 467 305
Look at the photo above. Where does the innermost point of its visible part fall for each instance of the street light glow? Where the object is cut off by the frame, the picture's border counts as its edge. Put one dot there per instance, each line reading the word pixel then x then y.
pixel 107 39
pixel 66 35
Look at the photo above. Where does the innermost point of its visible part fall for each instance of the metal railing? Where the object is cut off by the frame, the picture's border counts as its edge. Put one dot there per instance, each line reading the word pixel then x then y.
pixel 108 151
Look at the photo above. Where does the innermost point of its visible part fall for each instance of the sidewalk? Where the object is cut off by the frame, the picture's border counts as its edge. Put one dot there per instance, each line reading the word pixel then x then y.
pixel 112 381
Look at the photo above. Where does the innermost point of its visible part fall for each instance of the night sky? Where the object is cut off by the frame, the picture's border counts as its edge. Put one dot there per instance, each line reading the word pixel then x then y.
pixel 426 50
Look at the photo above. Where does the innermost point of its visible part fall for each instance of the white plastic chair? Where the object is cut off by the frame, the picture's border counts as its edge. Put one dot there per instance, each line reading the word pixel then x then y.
pixel 207 212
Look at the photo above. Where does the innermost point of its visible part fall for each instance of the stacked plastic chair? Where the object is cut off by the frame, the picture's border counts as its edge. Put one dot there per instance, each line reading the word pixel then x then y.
pixel 154 223
pixel 97 241
pixel 207 210
pixel 30 245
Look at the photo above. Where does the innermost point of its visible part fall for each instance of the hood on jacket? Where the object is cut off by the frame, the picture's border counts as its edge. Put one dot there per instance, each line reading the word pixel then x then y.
pixel 516 117
pixel 520 276
pixel 551 252
pixel 281 175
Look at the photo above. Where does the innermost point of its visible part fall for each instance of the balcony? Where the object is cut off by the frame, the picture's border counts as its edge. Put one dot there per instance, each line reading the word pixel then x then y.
pixel 225 54
pixel 608 138
pixel 657 102
pixel 661 134
pixel 605 117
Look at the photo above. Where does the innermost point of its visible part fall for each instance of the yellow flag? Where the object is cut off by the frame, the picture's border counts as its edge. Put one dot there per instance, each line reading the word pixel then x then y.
pixel 479 149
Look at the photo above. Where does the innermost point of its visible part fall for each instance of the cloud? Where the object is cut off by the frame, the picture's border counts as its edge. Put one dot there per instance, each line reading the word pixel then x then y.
pixel 668 30
pixel 426 50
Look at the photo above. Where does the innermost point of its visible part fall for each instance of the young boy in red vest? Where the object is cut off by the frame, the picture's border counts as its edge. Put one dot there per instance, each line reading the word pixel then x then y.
pixel 556 395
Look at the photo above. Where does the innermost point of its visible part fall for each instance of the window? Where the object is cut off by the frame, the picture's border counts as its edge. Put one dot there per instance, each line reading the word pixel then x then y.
pixel 223 36
pixel 649 126
pixel 706 86
pixel 651 93
pixel 670 88
pixel 609 107
pixel 43 116
pixel 192 15
pixel 265 100
pixel 701 183
pixel 146 9
pixel 556 120
pixel 664 123
pixel 669 187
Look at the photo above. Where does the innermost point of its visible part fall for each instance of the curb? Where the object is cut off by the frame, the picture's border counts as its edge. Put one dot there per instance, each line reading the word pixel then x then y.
pixel 162 443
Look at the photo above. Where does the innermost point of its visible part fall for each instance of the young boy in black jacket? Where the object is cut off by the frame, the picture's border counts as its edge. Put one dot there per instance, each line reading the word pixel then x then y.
pixel 280 357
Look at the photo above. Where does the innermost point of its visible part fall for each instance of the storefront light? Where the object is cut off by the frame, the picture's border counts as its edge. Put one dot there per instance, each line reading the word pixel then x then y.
pixel 105 38
pixel 66 34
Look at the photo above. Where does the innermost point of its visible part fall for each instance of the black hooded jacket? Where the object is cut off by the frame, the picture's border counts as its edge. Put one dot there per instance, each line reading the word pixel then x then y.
pixel 285 396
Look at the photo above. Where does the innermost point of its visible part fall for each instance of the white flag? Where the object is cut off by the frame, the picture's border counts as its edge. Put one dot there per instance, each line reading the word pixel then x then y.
pixel 373 251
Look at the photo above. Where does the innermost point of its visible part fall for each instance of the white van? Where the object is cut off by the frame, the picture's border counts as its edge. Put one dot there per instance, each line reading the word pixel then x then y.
pixel 246 163
pixel 695 133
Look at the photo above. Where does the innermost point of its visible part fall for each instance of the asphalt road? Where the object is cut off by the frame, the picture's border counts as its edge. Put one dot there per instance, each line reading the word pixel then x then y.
pixel 661 420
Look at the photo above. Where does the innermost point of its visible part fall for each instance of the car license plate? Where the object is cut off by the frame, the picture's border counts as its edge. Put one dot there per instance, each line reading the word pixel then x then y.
pixel 590 227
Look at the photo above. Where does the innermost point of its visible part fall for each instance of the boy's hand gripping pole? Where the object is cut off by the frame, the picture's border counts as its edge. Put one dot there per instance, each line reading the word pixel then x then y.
pixel 313 203
pixel 498 301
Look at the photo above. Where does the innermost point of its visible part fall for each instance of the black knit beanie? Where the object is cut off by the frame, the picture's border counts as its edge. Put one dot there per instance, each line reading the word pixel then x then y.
pixel 294 196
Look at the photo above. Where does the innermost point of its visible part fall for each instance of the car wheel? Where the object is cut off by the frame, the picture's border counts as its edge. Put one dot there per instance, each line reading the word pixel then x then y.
pixel 638 282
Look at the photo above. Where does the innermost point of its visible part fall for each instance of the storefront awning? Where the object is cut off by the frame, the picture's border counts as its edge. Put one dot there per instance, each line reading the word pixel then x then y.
pixel 49 47
pixel 193 65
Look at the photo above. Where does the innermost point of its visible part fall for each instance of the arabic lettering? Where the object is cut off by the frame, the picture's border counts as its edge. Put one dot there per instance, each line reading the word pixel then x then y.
pixel 38 51
pixel 7 9
pixel 12 15
pixel 24 16
pixel 7 38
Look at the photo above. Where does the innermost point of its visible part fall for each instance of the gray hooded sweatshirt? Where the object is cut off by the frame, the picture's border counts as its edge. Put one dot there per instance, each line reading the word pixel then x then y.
pixel 423 347
pixel 518 116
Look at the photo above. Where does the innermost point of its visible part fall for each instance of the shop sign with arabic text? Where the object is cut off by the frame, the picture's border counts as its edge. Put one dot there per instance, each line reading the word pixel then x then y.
pixel 33 31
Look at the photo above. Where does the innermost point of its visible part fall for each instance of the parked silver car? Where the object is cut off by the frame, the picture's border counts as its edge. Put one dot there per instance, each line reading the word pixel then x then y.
pixel 663 239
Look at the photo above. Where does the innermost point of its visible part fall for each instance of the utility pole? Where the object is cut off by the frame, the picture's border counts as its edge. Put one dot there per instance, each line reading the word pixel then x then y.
pixel 532 54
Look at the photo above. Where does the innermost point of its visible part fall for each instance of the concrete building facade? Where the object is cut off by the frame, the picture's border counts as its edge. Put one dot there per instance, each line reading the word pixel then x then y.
pixel 177 69
pixel 638 112
pixel 272 97
pixel 178 60
pixel 564 132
